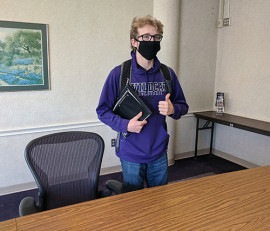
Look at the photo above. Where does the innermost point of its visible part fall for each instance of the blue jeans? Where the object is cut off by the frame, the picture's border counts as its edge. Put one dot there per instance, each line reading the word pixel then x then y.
pixel 154 173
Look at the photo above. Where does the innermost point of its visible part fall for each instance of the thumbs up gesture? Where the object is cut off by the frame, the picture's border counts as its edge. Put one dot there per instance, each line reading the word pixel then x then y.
pixel 134 125
pixel 166 107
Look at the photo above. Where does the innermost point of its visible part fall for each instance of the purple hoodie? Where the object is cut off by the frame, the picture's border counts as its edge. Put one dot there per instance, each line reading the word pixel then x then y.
pixel 153 139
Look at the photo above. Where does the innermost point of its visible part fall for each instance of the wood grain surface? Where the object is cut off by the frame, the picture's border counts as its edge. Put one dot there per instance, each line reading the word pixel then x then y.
pixel 9 225
pixel 231 201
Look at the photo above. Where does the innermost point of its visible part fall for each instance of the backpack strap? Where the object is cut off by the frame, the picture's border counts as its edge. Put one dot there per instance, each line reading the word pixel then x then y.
pixel 125 75
pixel 125 78
pixel 165 71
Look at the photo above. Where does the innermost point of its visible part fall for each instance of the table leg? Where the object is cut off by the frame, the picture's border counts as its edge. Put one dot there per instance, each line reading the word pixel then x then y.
pixel 212 135
pixel 196 140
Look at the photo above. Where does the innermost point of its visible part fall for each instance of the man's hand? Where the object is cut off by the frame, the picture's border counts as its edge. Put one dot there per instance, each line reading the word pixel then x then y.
pixel 135 125
pixel 166 107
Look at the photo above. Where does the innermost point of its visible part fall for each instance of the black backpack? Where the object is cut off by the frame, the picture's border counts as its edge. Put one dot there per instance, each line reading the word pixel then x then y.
pixel 125 75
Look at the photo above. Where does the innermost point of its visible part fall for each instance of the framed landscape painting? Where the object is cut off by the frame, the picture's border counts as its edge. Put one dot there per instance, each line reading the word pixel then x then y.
pixel 24 61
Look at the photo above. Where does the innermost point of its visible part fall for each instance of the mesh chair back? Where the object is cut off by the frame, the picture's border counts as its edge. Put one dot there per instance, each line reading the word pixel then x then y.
pixel 66 167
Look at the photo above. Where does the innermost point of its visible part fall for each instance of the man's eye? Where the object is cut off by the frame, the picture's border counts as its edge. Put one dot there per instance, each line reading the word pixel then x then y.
pixel 146 36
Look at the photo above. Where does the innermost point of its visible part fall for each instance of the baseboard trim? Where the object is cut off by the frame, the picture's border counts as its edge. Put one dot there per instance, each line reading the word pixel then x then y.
pixel 110 170
pixel 234 159
pixel 221 154
pixel 17 188
pixel 191 154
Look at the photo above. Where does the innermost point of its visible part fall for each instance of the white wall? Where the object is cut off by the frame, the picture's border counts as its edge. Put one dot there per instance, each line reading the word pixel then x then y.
pixel 196 69
pixel 198 49
pixel 87 39
pixel 243 73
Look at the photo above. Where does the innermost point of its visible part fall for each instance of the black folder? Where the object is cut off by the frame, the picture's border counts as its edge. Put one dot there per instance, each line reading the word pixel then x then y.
pixel 130 104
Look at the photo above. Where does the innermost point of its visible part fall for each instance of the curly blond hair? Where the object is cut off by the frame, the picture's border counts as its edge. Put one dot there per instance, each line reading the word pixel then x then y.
pixel 138 22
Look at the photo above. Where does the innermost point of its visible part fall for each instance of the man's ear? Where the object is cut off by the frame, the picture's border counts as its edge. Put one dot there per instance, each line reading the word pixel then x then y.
pixel 134 43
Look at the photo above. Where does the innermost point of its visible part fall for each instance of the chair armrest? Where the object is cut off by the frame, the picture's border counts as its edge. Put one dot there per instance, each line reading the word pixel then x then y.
pixel 116 186
pixel 28 206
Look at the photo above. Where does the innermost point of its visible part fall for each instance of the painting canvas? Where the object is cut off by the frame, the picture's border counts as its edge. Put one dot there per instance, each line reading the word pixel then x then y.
pixel 23 56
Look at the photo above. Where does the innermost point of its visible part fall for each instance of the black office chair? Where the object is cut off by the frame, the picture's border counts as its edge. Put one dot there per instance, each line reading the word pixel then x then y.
pixel 66 168
pixel 117 187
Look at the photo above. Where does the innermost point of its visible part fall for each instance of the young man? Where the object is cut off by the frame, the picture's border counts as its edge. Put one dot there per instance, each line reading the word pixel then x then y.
pixel 143 153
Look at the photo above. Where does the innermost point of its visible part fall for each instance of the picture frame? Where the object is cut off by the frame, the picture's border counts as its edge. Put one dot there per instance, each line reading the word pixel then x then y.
pixel 24 60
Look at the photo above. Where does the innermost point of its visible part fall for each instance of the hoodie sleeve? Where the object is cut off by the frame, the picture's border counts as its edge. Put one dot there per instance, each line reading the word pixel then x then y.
pixel 178 99
pixel 107 100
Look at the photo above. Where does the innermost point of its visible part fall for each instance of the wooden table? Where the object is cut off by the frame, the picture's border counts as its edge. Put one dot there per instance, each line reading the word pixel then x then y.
pixel 230 201
pixel 9 225
pixel 252 125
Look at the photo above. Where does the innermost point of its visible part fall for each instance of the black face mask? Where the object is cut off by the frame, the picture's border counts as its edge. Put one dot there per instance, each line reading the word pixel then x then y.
pixel 149 49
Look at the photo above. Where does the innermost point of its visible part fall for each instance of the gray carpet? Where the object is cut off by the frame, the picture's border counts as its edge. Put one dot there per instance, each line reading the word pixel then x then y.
pixel 195 177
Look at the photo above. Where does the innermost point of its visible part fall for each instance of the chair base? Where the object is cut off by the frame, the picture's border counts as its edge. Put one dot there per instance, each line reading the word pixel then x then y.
pixel 28 206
